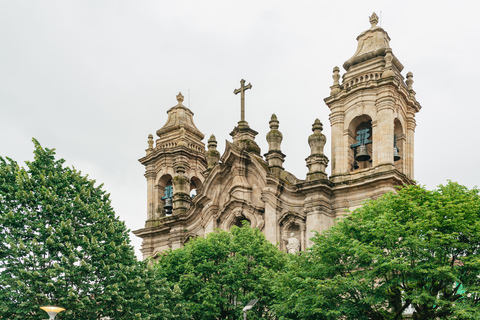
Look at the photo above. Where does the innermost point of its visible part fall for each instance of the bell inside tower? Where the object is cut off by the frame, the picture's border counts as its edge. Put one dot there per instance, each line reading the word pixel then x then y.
pixel 167 199
pixel 361 144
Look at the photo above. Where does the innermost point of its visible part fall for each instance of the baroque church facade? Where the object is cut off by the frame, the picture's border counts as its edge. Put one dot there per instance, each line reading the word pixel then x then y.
pixel 372 119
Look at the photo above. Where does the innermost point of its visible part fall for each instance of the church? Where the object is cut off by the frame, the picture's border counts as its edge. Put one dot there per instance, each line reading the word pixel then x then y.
pixel 193 190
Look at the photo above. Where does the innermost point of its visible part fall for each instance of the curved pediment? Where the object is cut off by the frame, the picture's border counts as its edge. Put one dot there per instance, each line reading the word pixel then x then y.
pixel 237 210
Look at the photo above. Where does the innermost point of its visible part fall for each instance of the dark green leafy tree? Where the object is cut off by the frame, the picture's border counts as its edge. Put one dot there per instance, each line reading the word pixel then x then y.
pixel 219 274
pixel 415 252
pixel 61 244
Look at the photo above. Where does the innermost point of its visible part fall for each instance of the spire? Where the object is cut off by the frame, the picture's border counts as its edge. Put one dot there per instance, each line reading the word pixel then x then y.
pixel 317 161
pixel 274 157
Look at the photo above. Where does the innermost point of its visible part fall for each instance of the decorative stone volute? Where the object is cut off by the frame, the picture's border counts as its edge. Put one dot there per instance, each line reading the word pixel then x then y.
pixel 212 155
pixel 317 161
pixel 274 157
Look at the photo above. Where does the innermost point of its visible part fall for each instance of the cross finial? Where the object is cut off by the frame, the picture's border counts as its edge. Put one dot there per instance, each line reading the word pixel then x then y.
pixel 242 90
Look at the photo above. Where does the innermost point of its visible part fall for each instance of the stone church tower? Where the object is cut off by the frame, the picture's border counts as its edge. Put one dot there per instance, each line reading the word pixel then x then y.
pixel 372 117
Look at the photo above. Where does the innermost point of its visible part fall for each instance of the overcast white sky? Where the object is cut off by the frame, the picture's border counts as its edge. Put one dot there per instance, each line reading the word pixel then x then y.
pixel 93 78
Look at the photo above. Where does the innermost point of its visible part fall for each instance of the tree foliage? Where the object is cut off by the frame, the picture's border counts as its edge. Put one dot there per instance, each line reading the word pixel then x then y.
pixel 416 249
pixel 219 274
pixel 61 244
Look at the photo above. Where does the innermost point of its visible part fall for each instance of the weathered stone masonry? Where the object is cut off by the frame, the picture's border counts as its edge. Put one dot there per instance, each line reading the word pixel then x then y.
pixel 372 119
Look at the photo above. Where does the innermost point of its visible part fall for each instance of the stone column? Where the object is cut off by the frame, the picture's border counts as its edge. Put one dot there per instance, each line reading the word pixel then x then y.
pixel 409 152
pixel 385 129
pixel 151 203
pixel 271 224
pixel 339 159
pixel 303 240
pixel 317 220
pixel 411 125
pixel 181 189
pixel 312 224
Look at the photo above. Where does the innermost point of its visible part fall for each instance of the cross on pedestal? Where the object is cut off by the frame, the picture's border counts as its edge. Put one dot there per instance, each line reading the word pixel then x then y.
pixel 242 90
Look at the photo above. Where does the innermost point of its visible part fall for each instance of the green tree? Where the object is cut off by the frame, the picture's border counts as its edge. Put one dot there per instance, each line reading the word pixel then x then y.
pixel 61 244
pixel 416 248
pixel 219 274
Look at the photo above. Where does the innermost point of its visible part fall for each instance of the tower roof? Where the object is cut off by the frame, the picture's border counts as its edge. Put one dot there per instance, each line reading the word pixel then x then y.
pixel 179 117
pixel 372 43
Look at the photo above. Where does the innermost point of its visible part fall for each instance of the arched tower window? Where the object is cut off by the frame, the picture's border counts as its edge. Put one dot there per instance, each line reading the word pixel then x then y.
pixel 166 195
pixel 195 185
pixel 361 143
pixel 399 146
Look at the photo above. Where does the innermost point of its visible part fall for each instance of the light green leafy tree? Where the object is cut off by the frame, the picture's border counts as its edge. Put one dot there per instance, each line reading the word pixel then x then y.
pixel 61 244
pixel 219 274
pixel 416 251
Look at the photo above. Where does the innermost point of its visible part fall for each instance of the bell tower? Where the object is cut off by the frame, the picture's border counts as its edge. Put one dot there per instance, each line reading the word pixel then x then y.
pixel 372 117
pixel 175 166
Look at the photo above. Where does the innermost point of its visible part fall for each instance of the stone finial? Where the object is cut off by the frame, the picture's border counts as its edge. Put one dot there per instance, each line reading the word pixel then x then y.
pixel 317 161
pixel 409 81
pixel 212 142
pixel 317 126
pixel 336 81
pixel 388 71
pixel 274 137
pixel 274 157
pixel 373 20
pixel 273 122
pixel 317 140
pixel 336 75
pixel 180 99
pixel 212 156
pixel 150 144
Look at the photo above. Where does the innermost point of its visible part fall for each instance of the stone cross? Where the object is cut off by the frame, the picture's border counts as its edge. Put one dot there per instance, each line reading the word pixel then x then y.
pixel 242 90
